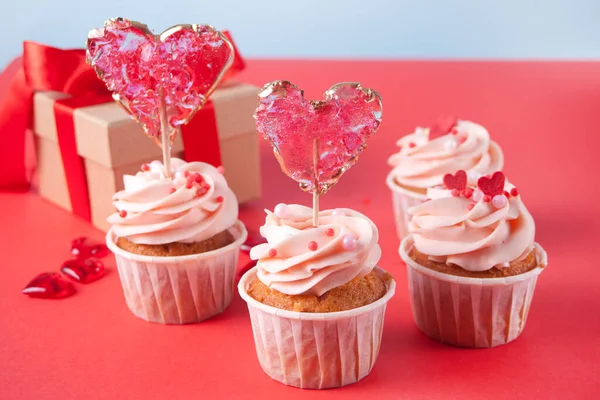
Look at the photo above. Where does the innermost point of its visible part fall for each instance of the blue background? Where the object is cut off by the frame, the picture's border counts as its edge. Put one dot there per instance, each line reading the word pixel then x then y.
pixel 511 29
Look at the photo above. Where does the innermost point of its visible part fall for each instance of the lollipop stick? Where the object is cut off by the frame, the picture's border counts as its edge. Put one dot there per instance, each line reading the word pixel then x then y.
pixel 316 188
pixel 165 135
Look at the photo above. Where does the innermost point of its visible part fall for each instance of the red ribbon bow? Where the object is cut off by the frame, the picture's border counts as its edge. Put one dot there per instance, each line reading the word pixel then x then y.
pixel 47 68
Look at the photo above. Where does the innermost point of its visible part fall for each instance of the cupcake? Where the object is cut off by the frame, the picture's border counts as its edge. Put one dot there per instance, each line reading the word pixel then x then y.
pixel 472 262
pixel 176 242
pixel 428 154
pixel 316 297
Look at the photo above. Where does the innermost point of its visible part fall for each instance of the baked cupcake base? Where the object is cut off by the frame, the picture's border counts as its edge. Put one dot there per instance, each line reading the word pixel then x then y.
pixel 356 293
pixel 468 311
pixel 179 289
pixel 177 249
pixel 316 350
pixel 515 268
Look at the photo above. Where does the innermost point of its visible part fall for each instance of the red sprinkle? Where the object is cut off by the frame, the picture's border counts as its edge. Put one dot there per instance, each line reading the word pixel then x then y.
pixel 312 245
pixel 411 145
pixel 514 192
pixel 455 192
pixel 329 232
pixel 454 131
pixel 172 190
pixel 462 139
pixel 468 193
pixel 507 194
pixel 272 253
pixel 200 192
pixel 198 178
pixel 186 173
pixel 189 185
pixel 487 198
pixel 219 199
pixel 145 167
pixel 122 213
pixel 470 206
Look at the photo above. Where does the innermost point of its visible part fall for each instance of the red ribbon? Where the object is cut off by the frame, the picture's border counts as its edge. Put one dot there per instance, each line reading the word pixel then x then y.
pixel 48 68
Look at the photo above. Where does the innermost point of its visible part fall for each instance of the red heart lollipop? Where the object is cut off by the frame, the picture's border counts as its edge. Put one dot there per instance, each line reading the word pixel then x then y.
pixel 317 141
pixel 492 186
pixel 456 181
pixel 173 72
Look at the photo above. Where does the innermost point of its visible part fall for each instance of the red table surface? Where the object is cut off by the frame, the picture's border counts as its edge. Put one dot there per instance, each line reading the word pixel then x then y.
pixel 544 115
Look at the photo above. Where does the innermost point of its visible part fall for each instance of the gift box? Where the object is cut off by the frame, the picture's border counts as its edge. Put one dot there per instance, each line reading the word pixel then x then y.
pixel 111 144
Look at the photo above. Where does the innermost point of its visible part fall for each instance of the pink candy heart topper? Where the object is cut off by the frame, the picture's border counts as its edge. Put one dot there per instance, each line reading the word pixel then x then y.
pixel 317 141
pixel 168 76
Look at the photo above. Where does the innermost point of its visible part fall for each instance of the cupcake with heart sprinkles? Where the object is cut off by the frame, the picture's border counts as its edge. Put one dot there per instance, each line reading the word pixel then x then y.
pixel 316 297
pixel 175 234
pixel 472 261
pixel 428 154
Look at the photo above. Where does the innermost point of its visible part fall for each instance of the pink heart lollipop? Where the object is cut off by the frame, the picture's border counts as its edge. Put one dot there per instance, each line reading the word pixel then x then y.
pixel 157 77
pixel 317 141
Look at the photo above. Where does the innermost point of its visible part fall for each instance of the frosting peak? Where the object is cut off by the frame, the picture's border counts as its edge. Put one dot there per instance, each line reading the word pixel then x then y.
pixel 421 163
pixel 301 259
pixel 193 206
pixel 475 231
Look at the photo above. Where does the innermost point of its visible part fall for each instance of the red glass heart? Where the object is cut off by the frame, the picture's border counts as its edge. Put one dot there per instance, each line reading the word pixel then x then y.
pixel 49 285
pixel 184 64
pixel 83 248
pixel 493 185
pixel 442 126
pixel 339 125
pixel 83 271
pixel 456 181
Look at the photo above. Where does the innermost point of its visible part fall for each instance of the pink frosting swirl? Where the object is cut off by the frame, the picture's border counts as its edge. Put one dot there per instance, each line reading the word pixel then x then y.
pixel 425 163
pixel 346 248
pixel 475 235
pixel 154 210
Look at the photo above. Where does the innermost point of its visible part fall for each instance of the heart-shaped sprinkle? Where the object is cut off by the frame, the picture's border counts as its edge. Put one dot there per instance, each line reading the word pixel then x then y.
pixel 183 65
pixel 317 141
pixel 49 285
pixel 83 271
pixel 83 248
pixel 442 126
pixel 492 186
pixel 457 181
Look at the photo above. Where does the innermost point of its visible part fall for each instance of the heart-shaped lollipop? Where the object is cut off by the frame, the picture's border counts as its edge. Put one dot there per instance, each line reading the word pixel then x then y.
pixel 157 77
pixel 317 141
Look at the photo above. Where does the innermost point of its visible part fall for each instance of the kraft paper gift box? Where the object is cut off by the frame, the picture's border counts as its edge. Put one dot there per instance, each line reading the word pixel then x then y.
pixel 113 144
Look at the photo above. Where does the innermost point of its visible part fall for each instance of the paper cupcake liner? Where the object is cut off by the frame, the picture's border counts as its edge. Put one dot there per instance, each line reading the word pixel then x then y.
pixel 402 200
pixel 470 312
pixel 181 289
pixel 316 350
